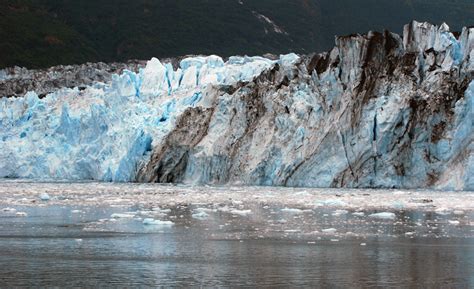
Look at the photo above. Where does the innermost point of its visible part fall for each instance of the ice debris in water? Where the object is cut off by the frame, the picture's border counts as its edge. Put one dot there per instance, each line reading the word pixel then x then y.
pixel 240 212
pixel 383 215
pixel 153 222
pixel 161 211
pixel 122 215
pixel 44 197
pixel 292 210
pixel 339 212
pixel 12 210
pixel 443 211
pixel 200 215
pixel 331 203
pixel 329 230
pixel 21 214
pixel 398 205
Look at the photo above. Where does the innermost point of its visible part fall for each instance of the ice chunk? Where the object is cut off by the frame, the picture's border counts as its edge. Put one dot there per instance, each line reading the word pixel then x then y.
pixel 339 212
pixel 240 212
pixel 329 230
pixel 10 210
pixel 331 203
pixel 44 197
pixel 383 215
pixel 292 211
pixel 122 215
pixel 21 214
pixel 200 215
pixel 160 210
pixel 398 205
pixel 153 222
pixel 358 214
pixel 443 211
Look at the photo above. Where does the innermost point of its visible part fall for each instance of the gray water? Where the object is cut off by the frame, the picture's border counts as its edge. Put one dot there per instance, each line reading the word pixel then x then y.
pixel 57 246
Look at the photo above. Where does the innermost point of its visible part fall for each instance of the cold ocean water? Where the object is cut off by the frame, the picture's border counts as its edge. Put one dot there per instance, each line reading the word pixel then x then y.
pixel 129 235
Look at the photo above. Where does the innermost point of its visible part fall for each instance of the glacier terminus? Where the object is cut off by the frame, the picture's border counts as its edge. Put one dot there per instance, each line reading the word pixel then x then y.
pixel 378 110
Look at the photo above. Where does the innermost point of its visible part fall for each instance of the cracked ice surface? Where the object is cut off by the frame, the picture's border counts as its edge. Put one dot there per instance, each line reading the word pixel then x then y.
pixel 104 131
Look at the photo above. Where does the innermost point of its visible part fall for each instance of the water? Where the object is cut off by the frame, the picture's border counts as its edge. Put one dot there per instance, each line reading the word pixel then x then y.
pixel 76 242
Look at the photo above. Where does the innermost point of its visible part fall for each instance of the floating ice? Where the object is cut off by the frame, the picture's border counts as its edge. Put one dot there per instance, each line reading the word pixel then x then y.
pixel 292 210
pixel 383 215
pixel 339 212
pixel 11 210
pixel 443 211
pixel 329 230
pixel 358 214
pixel 331 203
pixel 160 211
pixel 240 212
pixel 122 216
pixel 398 205
pixel 153 222
pixel 200 215
pixel 44 197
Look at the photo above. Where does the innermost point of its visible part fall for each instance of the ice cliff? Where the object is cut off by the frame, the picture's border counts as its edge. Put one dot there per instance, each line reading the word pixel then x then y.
pixel 378 110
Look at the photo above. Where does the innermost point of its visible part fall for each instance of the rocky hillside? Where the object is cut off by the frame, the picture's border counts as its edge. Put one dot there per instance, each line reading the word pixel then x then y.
pixel 43 33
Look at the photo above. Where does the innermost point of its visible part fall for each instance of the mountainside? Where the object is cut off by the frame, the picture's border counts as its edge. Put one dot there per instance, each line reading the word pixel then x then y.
pixel 43 33
pixel 378 110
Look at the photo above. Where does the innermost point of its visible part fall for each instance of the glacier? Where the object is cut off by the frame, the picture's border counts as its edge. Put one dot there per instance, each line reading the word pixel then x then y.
pixel 104 131
pixel 378 110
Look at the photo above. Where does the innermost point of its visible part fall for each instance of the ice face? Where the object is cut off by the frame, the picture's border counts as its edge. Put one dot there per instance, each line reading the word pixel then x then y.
pixel 376 111
pixel 104 131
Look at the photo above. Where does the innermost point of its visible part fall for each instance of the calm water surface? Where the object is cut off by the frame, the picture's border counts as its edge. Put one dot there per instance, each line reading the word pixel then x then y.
pixel 67 246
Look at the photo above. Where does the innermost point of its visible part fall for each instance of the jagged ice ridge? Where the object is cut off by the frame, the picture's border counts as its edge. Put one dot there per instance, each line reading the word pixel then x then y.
pixel 379 110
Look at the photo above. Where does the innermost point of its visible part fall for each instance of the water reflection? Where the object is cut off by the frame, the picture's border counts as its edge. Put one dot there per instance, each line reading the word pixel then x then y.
pixel 270 247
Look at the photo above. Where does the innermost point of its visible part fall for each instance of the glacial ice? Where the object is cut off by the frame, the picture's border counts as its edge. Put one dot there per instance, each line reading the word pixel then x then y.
pixel 44 197
pixel 153 222
pixel 105 131
pixel 383 215
pixel 376 111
